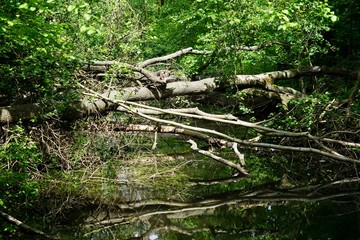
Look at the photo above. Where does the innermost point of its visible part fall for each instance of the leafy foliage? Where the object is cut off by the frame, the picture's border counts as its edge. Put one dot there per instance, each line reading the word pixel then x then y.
pixel 36 61
pixel 19 158
pixel 102 30
pixel 295 26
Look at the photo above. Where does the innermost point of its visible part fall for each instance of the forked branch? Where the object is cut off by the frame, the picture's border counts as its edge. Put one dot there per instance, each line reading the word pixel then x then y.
pixel 237 167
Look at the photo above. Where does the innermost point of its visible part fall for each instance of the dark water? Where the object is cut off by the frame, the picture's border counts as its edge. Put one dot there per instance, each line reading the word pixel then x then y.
pixel 210 205
pixel 236 220
pixel 221 209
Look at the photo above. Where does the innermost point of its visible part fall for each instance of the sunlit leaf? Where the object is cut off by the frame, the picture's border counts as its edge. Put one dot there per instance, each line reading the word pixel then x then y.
pixel 286 18
pixel 91 31
pixel 70 8
pixel 87 16
pixel 83 28
pixel 282 27
pixel 24 6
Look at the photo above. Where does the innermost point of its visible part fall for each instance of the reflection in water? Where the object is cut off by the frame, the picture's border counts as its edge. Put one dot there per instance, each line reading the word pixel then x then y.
pixel 129 191
pixel 328 211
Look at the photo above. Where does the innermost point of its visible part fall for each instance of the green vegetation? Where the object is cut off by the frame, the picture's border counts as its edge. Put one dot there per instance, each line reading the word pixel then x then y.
pixel 36 58
pixel 69 161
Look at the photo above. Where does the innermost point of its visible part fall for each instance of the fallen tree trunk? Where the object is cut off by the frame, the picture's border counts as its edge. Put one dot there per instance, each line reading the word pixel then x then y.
pixel 87 107
pixel 259 85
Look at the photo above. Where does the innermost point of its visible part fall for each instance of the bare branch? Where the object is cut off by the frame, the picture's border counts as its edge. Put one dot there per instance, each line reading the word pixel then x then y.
pixel 269 131
pixel 257 47
pixel 240 155
pixel 247 143
pixel 153 147
pixel 210 182
pixel 344 143
pixel 174 130
pixel 22 225
pixel 195 111
pixel 171 56
pixel 149 75
pixel 203 66
pixel 217 158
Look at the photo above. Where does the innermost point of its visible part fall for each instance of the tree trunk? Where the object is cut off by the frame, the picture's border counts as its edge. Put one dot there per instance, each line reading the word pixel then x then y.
pixel 263 82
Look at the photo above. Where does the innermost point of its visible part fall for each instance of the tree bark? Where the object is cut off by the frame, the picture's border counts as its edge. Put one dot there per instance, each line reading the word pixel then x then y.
pixel 263 82
pixel 11 114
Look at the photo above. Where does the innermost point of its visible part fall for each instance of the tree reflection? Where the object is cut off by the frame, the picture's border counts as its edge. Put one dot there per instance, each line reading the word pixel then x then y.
pixel 312 212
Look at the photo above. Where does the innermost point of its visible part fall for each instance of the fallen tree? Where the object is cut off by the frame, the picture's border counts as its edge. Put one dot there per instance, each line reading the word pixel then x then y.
pixel 161 87
pixel 153 86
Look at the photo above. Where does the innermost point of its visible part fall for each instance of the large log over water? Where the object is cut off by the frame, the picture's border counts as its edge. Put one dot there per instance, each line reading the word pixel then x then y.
pixel 263 83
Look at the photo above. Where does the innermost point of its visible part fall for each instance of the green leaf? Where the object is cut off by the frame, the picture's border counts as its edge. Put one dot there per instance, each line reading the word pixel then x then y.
pixel 286 18
pixel 70 8
pixel 87 16
pixel 84 28
pixel 24 6
pixel 282 27
pixel 91 31
pixel 334 18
